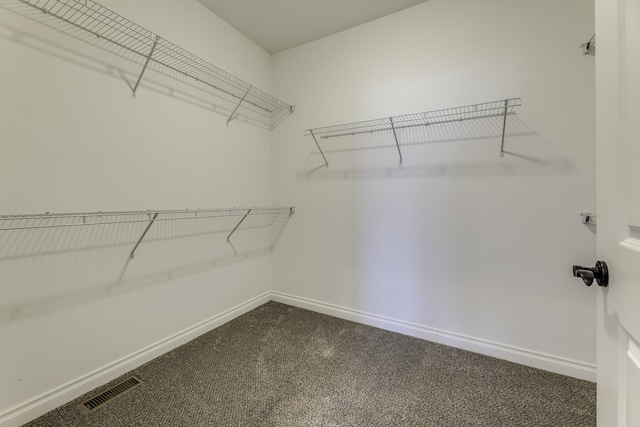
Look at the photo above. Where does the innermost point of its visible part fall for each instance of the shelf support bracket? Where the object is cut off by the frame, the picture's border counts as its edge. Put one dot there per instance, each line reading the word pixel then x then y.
pixel 326 163
pixel 144 67
pixel 238 225
pixel 284 225
pixel 239 103
pixel 504 126
pixel 144 233
pixel 132 255
pixel 395 136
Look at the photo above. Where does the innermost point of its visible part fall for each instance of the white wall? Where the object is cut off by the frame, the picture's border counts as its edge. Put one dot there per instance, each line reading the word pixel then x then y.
pixel 74 140
pixel 457 241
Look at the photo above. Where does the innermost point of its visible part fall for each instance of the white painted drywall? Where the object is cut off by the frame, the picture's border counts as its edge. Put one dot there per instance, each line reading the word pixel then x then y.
pixel 74 140
pixel 457 239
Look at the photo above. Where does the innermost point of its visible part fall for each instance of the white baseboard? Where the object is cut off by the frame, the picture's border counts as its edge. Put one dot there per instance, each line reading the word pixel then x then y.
pixel 547 362
pixel 33 408
pixel 42 404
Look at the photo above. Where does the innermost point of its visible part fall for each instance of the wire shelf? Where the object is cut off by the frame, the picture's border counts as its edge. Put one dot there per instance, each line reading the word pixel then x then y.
pixel 48 227
pixel 469 112
pixel 231 219
pixel 49 260
pixel 64 220
pixel 99 26
pixel 500 109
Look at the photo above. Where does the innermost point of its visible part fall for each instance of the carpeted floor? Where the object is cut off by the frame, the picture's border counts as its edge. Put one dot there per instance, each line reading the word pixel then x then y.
pixel 283 366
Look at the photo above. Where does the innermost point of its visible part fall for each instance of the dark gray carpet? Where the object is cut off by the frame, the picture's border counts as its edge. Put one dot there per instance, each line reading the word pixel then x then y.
pixel 284 366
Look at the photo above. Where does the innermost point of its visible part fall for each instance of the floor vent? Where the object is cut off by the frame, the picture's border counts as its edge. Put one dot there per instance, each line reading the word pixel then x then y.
pixel 110 394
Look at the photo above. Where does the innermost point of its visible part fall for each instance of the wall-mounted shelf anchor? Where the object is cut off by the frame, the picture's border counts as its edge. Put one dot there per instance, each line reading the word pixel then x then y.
pixel 589 218
pixel 589 48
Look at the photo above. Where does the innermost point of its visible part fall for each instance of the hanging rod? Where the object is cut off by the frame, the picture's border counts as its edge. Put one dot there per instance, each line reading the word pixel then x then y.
pixel 589 48
pixel 63 220
pixel 99 24
pixel 501 109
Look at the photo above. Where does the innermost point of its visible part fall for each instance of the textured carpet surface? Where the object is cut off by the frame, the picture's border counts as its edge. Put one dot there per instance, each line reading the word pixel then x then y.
pixel 283 366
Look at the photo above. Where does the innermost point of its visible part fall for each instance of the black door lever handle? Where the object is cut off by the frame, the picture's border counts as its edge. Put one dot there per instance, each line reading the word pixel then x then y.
pixel 600 273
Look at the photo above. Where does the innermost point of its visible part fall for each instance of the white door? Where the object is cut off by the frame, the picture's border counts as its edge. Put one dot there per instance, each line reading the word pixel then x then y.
pixel 618 194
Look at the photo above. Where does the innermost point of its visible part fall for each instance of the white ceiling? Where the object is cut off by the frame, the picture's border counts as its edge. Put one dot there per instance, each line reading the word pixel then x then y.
pixel 277 25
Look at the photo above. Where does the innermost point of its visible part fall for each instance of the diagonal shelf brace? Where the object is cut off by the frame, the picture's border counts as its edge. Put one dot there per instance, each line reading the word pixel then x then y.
pixel 326 163
pixel 239 103
pixel 133 252
pixel 284 225
pixel 238 225
pixel 144 67
pixel 144 233
pixel 395 136
pixel 504 126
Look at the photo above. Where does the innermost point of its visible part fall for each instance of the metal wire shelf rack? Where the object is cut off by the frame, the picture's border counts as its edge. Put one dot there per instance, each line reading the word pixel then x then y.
pixel 65 220
pixel 99 26
pixel 500 109
pixel 47 228
pixel 278 216
pixel 51 260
